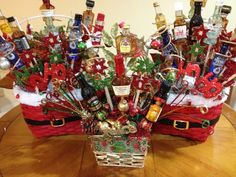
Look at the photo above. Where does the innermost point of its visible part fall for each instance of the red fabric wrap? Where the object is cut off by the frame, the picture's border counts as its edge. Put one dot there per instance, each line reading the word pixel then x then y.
pixel 188 114
pixel 36 114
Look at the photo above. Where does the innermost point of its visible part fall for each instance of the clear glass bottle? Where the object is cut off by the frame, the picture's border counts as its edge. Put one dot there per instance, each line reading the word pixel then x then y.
pixel 196 19
pixel 160 17
pixel 88 15
pixel 216 19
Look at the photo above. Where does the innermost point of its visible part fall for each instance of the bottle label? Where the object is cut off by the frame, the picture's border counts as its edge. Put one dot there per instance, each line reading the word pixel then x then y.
pixel 13 58
pixel 18 45
pixel 125 46
pixel 5 28
pixel 191 81
pixel 94 104
pixel 180 32
pixel 88 21
pixel 123 90
pixel 217 65
pixel 153 113
pixel 25 43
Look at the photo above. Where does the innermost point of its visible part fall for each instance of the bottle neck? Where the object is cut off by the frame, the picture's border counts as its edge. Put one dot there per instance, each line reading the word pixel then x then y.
pixel 2 40
pixel 82 82
pixel 158 10
pixel 198 8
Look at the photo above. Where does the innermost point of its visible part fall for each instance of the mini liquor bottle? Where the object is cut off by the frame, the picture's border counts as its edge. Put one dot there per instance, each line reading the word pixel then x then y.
pixel 99 26
pixel 216 19
pixel 219 59
pixel 196 19
pixel 160 17
pixel 126 43
pixel 121 83
pixel 225 11
pixel 18 36
pixel 180 27
pixel 159 100
pixel 88 15
pixel 75 32
pixel 89 95
pixel 168 47
pixel 4 25
pixel 191 11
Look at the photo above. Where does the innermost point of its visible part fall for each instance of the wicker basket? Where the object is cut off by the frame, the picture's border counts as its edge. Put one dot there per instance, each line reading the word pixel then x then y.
pixel 43 125
pixel 119 151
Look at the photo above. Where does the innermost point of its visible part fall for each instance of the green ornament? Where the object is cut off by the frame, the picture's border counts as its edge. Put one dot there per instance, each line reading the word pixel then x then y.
pixel 197 49
pixel 55 58
pixel 81 46
pixel 101 115
pixel 171 76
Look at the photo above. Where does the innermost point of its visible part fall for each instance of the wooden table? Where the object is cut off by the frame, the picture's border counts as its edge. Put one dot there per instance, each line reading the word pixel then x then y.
pixel 21 155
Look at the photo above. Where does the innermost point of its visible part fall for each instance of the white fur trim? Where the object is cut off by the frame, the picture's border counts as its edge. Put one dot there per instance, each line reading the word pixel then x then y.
pixel 197 100
pixel 33 99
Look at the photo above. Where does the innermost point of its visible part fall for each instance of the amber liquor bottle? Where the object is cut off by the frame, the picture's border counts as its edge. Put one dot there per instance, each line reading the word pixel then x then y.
pixel 88 15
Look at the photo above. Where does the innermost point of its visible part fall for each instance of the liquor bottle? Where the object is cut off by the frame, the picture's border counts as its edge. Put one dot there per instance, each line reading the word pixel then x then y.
pixel 18 36
pixel 191 11
pixel 99 26
pixel 159 100
pixel 180 27
pixel 225 11
pixel 168 47
pixel 89 95
pixel 75 32
pixel 126 43
pixel 121 83
pixel 196 20
pixel 216 19
pixel 160 17
pixel 88 15
pixel 4 25
pixel 219 59
pixel 12 57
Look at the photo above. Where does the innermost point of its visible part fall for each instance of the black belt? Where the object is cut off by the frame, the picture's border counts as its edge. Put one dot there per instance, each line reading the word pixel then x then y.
pixel 53 123
pixel 185 125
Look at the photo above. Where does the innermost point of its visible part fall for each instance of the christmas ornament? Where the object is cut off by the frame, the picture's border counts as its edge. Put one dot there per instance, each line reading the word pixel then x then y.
pixel 4 63
pixel 99 66
pixel 200 32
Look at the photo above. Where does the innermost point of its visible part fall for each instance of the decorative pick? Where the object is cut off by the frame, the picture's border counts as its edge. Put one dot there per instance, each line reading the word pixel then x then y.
pixel 51 40
pixel 99 66
pixel 197 49
pixel 200 32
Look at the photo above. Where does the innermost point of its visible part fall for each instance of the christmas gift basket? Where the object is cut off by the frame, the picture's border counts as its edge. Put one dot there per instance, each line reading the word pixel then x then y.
pixel 116 87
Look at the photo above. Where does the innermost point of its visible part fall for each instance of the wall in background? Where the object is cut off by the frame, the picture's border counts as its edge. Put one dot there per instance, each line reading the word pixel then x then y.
pixel 139 14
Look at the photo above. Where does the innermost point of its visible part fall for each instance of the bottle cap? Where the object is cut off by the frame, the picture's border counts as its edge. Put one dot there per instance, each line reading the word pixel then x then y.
pixel 159 99
pixel 10 19
pixel 226 9
pixel 90 3
pixel 156 4
pixel 78 17
pixel 100 17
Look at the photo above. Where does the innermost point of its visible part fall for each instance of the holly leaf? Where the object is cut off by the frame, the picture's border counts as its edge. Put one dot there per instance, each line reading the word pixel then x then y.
pixel 107 39
pixel 108 55
pixel 131 62
pixel 114 30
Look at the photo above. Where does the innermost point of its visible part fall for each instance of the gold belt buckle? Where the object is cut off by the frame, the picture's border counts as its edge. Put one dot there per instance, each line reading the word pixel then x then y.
pixel 62 123
pixel 176 123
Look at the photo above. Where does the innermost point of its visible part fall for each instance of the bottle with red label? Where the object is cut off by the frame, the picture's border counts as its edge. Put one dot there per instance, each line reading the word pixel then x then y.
pixel 99 26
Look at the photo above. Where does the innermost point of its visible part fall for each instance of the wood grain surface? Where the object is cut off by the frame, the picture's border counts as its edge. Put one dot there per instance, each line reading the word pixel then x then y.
pixel 22 155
